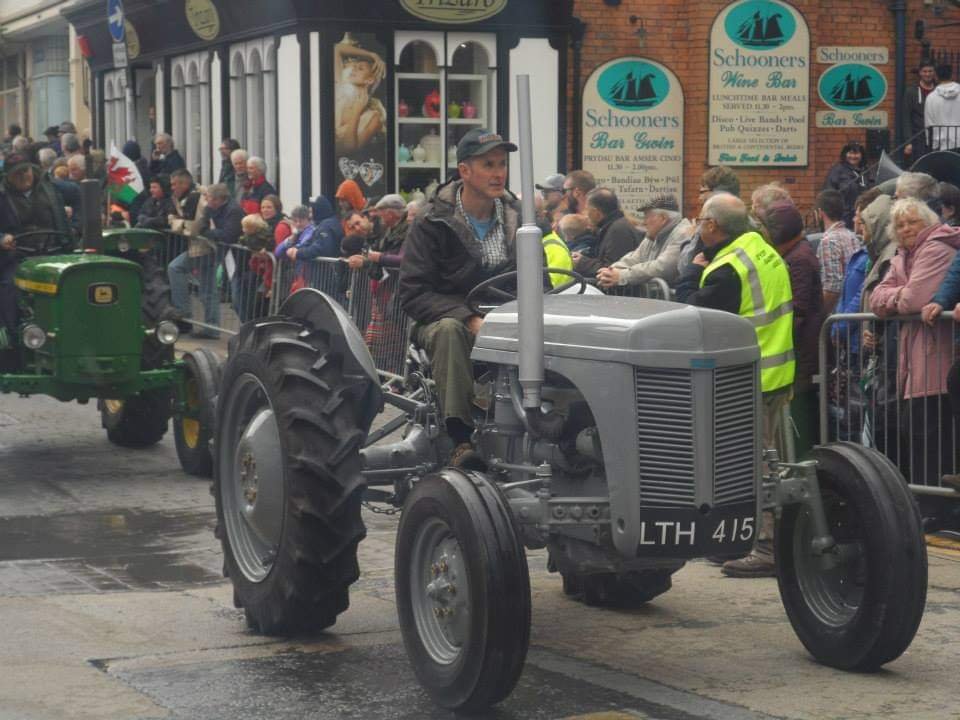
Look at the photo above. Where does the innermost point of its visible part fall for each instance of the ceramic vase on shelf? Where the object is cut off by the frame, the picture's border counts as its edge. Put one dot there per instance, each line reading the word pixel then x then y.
pixel 419 154
pixel 453 110
pixel 431 146
pixel 469 110
pixel 431 104
pixel 403 154
pixel 403 110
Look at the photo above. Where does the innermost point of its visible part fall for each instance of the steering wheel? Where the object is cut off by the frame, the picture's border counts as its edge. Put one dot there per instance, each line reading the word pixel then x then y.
pixel 40 242
pixel 491 287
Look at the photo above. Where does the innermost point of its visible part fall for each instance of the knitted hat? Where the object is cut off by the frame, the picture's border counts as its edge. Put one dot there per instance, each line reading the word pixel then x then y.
pixel 783 221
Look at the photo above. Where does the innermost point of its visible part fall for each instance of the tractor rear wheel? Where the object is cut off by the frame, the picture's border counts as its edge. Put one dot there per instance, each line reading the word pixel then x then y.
pixel 287 473
pixel 861 610
pixel 463 590
pixel 193 430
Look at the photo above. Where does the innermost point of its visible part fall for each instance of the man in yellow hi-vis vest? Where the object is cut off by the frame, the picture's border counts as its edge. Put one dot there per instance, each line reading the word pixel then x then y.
pixel 744 275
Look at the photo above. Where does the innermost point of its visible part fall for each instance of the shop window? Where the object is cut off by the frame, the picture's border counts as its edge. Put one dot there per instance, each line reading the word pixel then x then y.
pixel 444 87
pixel 190 110
pixel 10 92
pixel 253 101
pixel 114 109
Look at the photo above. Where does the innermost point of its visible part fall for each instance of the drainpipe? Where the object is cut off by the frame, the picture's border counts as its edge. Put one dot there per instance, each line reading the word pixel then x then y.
pixel 578 29
pixel 899 9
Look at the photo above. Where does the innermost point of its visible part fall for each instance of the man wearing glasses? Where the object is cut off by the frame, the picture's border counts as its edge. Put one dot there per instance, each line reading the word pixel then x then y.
pixel 744 275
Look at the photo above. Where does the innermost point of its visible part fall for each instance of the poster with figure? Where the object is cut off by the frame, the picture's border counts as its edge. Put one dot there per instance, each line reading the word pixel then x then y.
pixel 360 115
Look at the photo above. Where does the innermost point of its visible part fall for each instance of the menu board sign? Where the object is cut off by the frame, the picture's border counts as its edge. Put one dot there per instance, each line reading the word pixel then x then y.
pixel 759 108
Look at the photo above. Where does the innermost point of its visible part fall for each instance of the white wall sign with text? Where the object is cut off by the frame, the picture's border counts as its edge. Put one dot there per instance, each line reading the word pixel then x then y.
pixel 633 130
pixel 759 107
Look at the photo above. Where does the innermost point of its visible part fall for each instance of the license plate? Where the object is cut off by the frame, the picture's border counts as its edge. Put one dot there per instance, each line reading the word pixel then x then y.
pixel 725 530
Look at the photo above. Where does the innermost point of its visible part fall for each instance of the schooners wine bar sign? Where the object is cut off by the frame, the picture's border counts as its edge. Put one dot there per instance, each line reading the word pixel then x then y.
pixel 633 130
pixel 759 109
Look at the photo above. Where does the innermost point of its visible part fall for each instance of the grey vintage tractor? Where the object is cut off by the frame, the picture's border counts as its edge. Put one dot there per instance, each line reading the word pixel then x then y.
pixel 622 434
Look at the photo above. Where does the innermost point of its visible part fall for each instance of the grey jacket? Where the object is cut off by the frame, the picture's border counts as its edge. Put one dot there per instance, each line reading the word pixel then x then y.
pixel 655 257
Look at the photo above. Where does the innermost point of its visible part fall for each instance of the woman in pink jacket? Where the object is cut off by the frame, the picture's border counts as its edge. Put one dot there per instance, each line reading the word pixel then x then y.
pixel 926 249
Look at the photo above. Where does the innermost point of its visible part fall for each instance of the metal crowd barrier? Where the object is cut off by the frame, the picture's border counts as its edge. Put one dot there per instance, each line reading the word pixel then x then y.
pixel 221 289
pixel 863 398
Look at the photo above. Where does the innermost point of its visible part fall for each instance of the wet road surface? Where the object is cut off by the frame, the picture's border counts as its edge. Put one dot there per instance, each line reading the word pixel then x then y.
pixel 114 606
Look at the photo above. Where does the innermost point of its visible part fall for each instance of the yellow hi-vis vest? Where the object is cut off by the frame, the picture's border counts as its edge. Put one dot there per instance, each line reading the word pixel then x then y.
pixel 766 300
pixel 556 254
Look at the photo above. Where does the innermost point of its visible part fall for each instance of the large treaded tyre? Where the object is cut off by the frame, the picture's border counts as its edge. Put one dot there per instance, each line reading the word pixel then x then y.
pixel 290 423
pixel 463 590
pixel 193 431
pixel 618 590
pixel 864 612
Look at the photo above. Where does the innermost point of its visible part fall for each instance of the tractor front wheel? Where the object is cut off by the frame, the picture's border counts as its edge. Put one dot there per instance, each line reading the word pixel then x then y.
pixel 193 429
pixel 138 421
pixel 463 590
pixel 860 607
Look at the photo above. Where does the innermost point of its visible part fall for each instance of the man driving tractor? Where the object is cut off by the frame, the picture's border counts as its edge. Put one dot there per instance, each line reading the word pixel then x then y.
pixel 465 235
pixel 28 202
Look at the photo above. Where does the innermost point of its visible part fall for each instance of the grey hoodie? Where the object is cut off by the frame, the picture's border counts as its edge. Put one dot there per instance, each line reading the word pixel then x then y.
pixel 942 114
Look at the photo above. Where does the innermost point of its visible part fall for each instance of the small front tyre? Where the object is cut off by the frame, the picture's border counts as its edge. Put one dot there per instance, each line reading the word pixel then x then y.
pixel 193 429
pixel 863 611
pixel 463 591
pixel 138 421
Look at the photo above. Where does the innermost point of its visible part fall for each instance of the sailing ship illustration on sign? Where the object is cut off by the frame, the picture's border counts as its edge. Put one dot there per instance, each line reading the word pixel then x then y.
pixel 634 91
pixel 852 92
pixel 761 30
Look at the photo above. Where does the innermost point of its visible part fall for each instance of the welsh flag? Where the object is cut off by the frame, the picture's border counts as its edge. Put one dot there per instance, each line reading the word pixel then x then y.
pixel 123 178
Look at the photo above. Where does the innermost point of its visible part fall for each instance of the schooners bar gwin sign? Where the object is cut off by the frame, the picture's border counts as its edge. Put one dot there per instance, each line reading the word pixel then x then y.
pixel 759 106
pixel 633 130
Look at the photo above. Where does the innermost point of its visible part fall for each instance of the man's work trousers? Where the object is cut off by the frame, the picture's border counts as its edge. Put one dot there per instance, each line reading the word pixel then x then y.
pixel 448 343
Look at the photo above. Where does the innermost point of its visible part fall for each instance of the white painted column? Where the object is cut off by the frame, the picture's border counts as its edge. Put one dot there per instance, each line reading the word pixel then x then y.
pixel 270 112
pixel 216 114
pixel 316 131
pixel 161 103
pixel 288 122
pixel 535 57
pixel 206 165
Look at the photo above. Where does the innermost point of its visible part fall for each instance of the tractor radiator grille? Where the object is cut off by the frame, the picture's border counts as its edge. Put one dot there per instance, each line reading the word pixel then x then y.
pixel 665 434
pixel 667 443
pixel 734 430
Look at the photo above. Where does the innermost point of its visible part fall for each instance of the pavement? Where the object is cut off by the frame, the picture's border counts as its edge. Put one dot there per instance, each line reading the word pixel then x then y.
pixel 114 607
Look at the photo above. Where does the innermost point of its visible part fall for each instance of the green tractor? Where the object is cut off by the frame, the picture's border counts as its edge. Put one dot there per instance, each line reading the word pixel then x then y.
pixel 97 323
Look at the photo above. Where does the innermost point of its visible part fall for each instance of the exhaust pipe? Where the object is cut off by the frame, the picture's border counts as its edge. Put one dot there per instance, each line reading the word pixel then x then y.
pixel 529 263
pixel 90 207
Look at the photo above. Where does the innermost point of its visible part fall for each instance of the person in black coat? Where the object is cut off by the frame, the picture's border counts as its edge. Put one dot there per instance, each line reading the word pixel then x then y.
pixel 616 236
pixel 911 107
pixel 165 158
pixel 849 177
pixel 157 207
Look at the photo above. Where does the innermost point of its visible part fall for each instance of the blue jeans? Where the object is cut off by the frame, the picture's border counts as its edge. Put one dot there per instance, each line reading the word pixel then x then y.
pixel 179 271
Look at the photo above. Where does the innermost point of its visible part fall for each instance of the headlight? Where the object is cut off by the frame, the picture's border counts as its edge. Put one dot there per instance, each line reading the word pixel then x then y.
pixel 167 332
pixel 34 337
pixel 123 246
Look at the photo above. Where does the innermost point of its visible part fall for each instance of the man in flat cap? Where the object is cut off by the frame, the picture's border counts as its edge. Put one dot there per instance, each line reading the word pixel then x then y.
pixel 464 235
pixel 657 254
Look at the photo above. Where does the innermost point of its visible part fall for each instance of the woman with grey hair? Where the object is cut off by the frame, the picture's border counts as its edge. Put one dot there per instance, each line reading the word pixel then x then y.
pixel 926 250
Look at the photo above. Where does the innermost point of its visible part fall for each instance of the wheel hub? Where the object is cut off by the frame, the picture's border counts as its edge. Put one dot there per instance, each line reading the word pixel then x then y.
pixel 249 480
pixel 441 592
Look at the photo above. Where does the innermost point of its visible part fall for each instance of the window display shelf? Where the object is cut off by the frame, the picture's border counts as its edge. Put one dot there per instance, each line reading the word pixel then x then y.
pixel 465 121
pixel 418 121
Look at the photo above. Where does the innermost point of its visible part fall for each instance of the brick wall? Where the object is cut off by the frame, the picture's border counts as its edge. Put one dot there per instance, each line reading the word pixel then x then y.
pixel 678 36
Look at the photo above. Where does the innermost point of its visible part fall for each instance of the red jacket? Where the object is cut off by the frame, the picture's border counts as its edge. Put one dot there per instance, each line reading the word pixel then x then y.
pixel 254 193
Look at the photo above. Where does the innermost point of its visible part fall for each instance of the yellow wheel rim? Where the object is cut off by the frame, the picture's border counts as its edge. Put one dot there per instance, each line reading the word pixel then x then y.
pixel 113 407
pixel 190 426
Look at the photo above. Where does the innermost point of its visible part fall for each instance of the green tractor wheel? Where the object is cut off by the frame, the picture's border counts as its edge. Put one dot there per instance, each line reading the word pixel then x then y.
pixel 137 421
pixel 193 430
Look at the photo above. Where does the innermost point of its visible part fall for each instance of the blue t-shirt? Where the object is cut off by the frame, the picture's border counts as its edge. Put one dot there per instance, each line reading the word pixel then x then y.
pixel 480 227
